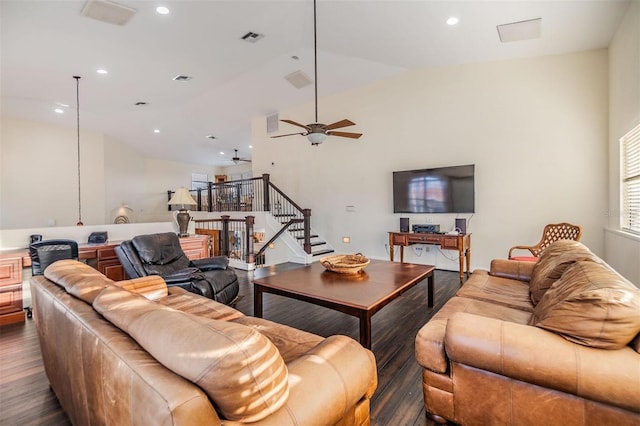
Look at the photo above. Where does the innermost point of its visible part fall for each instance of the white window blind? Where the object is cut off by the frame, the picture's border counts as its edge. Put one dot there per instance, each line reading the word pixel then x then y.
pixel 630 219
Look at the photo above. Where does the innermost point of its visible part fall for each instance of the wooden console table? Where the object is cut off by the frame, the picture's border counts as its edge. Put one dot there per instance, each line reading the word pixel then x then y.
pixel 461 243
pixel 99 256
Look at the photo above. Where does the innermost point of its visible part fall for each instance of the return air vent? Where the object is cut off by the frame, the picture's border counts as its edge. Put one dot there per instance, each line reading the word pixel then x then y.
pixel 298 79
pixel 252 37
pixel 518 31
pixel 182 78
pixel 108 11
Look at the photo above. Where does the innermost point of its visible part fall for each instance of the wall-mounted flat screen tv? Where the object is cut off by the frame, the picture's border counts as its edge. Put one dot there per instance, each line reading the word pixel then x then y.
pixel 436 190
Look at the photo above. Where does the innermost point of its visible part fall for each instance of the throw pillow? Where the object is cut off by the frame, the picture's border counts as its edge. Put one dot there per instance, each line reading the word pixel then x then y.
pixel 553 261
pixel 591 305
pixel 239 368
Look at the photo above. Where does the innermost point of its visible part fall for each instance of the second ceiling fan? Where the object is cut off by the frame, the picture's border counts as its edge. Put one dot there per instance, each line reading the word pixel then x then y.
pixel 317 132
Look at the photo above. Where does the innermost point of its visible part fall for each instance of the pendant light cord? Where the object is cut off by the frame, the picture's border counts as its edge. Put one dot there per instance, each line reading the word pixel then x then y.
pixel 315 57
pixel 78 134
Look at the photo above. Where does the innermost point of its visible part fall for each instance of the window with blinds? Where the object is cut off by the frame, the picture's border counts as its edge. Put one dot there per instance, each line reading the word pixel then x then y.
pixel 630 218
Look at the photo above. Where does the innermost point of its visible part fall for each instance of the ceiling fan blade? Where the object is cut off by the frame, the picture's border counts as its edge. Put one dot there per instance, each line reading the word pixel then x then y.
pixel 339 124
pixel 345 134
pixel 296 124
pixel 288 134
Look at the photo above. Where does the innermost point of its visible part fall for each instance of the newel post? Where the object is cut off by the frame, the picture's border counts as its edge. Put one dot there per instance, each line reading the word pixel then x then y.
pixel 209 196
pixel 265 191
pixel 225 235
pixel 306 213
pixel 248 254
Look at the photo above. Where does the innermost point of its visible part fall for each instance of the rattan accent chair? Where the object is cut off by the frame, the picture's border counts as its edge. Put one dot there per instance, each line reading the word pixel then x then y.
pixel 552 232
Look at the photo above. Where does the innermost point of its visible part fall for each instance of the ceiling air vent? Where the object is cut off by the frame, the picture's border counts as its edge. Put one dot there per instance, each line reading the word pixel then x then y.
pixel 252 37
pixel 182 78
pixel 108 11
pixel 523 30
pixel 141 103
pixel 298 79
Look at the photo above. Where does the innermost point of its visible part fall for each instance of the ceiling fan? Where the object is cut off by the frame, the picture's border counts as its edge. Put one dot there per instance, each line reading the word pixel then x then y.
pixel 317 132
pixel 237 159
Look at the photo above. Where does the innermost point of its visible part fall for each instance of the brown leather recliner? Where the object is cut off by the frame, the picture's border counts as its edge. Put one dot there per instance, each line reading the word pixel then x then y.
pixel 161 254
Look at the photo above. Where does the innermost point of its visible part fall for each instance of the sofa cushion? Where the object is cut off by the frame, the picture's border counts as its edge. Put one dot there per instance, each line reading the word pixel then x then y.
pixel 554 260
pixel 503 291
pixel 240 370
pixel 591 305
pixel 77 278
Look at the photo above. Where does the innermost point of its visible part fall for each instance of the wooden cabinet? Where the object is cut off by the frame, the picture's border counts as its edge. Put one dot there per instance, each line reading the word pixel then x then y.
pixel 195 246
pixel 109 264
pixel 11 288
pixel 103 257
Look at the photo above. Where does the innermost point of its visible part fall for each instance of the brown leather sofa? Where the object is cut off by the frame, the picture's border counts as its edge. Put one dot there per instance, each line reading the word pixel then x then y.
pixel 553 342
pixel 138 352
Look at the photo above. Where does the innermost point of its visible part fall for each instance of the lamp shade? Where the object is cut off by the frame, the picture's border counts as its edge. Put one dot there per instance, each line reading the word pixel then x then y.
pixel 316 138
pixel 182 198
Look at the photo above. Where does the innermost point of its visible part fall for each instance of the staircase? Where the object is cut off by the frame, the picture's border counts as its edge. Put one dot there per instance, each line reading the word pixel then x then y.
pixel 319 247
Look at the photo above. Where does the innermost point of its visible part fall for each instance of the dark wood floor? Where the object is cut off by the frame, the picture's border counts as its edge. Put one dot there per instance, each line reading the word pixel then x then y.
pixel 25 397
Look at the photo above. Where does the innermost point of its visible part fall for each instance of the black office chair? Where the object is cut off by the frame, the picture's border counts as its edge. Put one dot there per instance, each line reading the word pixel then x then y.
pixel 161 254
pixel 44 253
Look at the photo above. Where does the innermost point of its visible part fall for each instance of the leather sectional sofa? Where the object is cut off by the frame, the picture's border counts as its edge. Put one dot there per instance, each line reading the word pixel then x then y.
pixel 552 342
pixel 138 352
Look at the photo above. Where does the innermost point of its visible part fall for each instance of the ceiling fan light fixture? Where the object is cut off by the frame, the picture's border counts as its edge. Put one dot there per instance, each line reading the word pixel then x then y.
pixel 316 138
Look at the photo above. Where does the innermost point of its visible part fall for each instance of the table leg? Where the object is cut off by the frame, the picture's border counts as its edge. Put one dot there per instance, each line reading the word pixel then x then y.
pixel 430 291
pixel 461 263
pixel 365 329
pixel 468 256
pixel 257 301
pixel 401 254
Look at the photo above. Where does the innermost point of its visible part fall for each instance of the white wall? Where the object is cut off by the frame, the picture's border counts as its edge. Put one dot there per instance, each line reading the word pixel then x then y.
pixel 536 129
pixel 39 173
pixel 38 178
pixel 622 250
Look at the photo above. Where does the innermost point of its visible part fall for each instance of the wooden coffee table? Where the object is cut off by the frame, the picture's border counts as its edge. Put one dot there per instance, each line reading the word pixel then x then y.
pixel 360 295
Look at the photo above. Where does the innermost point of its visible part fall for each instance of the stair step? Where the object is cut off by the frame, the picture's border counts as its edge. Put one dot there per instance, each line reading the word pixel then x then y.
pixel 296 229
pixel 318 243
pixel 284 215
pixel 310 236
pixel 321 252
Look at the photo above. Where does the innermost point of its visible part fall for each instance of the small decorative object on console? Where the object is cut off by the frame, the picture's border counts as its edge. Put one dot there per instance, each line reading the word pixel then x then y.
pixel 345 263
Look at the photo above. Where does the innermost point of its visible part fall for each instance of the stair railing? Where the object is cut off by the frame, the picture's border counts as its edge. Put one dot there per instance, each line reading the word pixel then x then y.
pixel 255 194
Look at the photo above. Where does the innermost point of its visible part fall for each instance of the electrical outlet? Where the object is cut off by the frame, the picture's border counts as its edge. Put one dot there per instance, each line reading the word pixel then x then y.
pixel 418 249
pixel 426 248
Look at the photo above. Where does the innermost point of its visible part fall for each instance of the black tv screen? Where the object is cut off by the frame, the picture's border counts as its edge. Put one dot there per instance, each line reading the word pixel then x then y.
pixel 437 190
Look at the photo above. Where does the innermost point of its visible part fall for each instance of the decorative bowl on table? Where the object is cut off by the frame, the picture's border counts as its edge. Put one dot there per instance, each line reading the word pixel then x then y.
pixel 345 263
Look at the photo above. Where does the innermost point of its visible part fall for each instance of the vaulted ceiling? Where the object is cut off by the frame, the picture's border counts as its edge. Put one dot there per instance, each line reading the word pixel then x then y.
pixel 45 43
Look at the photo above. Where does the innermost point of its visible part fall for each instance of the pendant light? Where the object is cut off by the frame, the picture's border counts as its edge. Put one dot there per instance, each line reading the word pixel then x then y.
pixel 77 77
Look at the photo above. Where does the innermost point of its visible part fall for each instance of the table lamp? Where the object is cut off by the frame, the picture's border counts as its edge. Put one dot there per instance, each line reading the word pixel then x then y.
pixel 182 198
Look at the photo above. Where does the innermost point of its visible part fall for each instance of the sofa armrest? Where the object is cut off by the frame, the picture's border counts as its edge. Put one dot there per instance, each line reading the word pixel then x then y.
pixel 211 263
pixel 181 276
pixel 326 382
pixel 513 269
pixel 152 287
pixel 540 357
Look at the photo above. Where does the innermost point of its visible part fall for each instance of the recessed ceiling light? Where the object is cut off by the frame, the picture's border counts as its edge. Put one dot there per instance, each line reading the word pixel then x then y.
pixel 162 10
pixel 58 111
pixel 156 130
pixel 102 71
pixel 221 153
pixel 62 105
pixel 251 146
pixel 453 21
